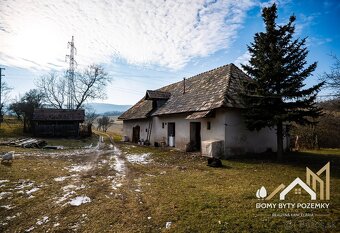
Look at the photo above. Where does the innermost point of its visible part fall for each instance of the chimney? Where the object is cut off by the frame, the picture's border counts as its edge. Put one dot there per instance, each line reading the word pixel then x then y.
pixel 183 85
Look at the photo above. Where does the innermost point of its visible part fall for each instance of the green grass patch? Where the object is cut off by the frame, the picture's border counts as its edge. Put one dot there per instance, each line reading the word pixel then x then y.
pixel 180 188
pixel 324 151
pixel 114 136
pixel 174 187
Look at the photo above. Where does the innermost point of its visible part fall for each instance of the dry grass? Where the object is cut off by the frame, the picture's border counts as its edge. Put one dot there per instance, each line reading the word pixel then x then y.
pixel 11 127
pixel 174 187
pixel 324 151
pixel 114 136
pixel 197 198
pixel 73 143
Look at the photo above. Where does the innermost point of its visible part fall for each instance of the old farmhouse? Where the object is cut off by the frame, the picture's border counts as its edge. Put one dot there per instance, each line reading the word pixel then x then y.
pixel 196 113
pixel 57 122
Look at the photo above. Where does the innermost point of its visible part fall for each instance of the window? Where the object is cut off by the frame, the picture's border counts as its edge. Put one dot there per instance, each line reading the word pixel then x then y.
pixel 162 125
pixel 298 191
pixel 208 125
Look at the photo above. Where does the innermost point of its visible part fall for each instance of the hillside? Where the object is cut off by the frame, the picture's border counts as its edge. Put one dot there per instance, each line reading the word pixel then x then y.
pixel 102 108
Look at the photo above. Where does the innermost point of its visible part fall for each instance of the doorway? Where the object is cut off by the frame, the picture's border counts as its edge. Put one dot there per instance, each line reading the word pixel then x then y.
pixel 171 134
pixel 195 136
pixel 135 134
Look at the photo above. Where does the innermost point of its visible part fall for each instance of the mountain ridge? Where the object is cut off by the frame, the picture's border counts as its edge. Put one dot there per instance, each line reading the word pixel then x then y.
pixel 101 108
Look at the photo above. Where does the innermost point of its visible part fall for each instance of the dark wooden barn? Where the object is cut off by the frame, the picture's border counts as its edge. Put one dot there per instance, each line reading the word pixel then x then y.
pixel 57 122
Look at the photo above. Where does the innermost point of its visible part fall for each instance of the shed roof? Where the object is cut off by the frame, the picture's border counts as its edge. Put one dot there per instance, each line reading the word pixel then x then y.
pixel 213 89
pixel 48 114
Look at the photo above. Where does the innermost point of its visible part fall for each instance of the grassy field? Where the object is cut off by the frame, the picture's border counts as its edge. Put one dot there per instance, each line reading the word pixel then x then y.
pixel 11 127
pixel 73 143
pixel 116 128
pixel 128 188
pixel 323 151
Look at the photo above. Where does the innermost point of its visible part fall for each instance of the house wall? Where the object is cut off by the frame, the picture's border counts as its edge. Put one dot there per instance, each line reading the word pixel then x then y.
pixel 227 125
pixel 182 129
pixel 128 128
pixel 239 140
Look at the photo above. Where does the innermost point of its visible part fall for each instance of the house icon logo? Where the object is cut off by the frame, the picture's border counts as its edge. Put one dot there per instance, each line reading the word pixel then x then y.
pixel 313 183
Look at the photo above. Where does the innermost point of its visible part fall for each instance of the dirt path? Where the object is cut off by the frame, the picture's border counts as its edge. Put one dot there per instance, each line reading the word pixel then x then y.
pixel 65 189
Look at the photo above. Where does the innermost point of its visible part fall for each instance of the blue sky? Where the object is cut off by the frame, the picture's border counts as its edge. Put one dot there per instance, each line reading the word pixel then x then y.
pixel 148 44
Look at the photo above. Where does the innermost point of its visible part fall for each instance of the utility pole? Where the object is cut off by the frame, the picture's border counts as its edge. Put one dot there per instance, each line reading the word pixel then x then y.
pixel 1 116
pixel 70 72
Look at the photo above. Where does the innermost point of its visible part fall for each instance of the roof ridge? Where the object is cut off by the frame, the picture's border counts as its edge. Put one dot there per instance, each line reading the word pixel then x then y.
pixel 196 75
pixel 217 68
pixel 207 90
pixel 235 73
pixel 229 74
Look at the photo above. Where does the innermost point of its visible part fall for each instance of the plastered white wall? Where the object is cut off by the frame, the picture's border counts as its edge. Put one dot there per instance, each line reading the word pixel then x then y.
pixel 240 140
pixel 227 125
pixel 128 128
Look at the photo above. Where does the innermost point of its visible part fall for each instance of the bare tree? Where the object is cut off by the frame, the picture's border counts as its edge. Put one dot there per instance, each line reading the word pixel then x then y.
pixel 24 107
pixel 5 90
pixel 104 123
pixel 88 85
pixel 54 88
pixel 332 79
pixel 4 94
pixel 90 115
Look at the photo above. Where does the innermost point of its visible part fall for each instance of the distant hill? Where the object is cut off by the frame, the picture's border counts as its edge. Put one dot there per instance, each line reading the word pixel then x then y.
pixel 111 109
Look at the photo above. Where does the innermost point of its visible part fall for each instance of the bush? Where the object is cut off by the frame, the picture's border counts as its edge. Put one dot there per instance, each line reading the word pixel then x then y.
pixel 326 133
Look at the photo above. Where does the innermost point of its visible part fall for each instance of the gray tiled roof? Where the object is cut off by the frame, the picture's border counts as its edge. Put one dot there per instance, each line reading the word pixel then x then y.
pixel 213 89
pixel 49 114
pixel 157 95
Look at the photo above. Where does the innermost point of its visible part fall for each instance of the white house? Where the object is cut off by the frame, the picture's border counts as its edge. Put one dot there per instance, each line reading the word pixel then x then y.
pixel 205 107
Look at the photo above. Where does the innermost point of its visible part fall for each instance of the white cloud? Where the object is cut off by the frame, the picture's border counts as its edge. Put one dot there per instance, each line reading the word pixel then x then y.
pixel 317 41
pixel 34 34
pixel 304 21
pixel 277 2
pixel 243 59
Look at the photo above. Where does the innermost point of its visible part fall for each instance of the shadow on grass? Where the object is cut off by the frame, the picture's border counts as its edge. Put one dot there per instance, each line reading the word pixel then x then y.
pixel 7 164
pixel 296 159
pixel 220 168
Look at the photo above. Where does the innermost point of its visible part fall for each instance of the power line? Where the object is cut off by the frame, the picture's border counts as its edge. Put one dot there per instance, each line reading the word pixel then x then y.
pixel 128 90
pixel 188 74
pixel 120 74
pixel 1 75
pixel 166 72
pixel 148 81
pixel 1 117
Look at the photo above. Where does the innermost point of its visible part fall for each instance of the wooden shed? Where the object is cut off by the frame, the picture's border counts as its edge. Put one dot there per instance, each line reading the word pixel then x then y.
pixel 57 122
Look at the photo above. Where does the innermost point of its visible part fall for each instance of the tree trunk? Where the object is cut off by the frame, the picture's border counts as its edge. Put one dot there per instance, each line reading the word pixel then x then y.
pixel 279 139
pixel 89 129
pixel 25 125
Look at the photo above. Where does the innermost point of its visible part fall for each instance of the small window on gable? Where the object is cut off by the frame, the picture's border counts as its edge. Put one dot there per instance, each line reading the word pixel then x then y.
pixel 162 125
pixel 208 125
pixel 146 130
